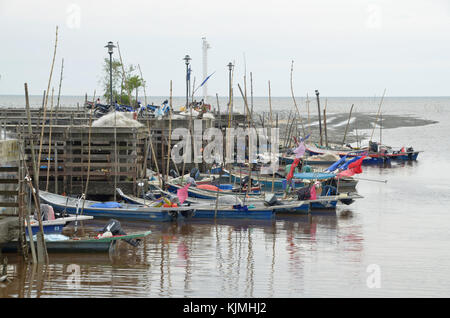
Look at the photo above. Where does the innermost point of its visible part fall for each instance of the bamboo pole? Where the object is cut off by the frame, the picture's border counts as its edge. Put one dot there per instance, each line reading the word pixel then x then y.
pixel 170 132
pixel 84 194
pixel 251 95
pixel 271 126
pixel 142 78
pixel 56 166
pixel 27 213
pixel 325 121
pixel 318 111
pixel 59 89
pixel 41 246
pixel 378 114
pixel 348 123
pixel 309 118
pixel 45 109
pixel 49 142
pixel 124 77
pixel 249 161
pixel 40 243
pixel 295 102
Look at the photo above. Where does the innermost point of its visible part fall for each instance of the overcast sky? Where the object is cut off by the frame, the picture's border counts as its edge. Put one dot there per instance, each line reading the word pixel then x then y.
pixel 342 48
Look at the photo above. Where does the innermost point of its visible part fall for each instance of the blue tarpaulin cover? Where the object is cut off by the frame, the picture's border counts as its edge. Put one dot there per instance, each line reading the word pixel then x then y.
pixel 111 204
pixel 313 175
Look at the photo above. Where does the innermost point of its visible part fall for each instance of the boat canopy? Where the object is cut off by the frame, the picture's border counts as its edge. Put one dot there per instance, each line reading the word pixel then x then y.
pixel 313 175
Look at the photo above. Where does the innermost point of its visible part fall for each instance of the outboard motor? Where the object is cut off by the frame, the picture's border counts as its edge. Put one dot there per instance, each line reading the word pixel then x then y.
pixel 150 196
pixel 173 173
pixel 195 173
pixel 115 228
pixel 373 146
pixel 270 199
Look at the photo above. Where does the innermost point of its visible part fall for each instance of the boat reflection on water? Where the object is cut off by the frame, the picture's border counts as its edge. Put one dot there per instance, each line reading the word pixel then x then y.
pixel 195 257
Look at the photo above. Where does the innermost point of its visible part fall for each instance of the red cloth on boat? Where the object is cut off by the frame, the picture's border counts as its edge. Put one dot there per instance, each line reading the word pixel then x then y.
pixel 357 165
pixel 208 187
pixel 345 173
pixel 353 168
pixel 293 166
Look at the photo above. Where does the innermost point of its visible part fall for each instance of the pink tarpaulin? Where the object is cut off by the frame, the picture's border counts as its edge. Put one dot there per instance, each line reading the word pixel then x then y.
pixel 182 193
pixel 300 150
pixel 345 173
pixel 313 192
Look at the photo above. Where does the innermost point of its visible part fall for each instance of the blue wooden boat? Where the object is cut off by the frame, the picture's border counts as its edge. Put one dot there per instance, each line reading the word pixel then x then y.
pixel 233 208
pixel 114 210
pixel 297 180
pixel 372 157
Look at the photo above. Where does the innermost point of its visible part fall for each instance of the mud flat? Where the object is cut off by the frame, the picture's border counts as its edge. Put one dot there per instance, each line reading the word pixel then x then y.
pixel 336 124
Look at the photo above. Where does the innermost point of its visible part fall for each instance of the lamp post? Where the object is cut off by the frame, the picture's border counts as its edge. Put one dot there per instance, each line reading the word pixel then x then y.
pixel 186 59
pixel 110 47
pixel 230 68
pixel 320 121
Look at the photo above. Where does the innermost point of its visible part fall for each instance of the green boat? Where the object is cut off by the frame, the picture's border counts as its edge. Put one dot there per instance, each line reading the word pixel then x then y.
pixel 81 245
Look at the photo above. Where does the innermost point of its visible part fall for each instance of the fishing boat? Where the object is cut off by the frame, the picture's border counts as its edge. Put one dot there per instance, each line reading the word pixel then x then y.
pixel 56 225
pixel 325 159
pixel 208 193
pixel 298 180
pixel 382 155
pixel 230 207
pixel 110 209
pixel 62 244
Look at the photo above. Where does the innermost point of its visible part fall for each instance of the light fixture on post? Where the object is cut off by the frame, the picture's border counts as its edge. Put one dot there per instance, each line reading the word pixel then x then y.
pixel 186 59
pixel 110 47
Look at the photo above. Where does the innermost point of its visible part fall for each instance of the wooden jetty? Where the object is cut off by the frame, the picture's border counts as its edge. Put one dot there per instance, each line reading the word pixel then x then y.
pixel 67 146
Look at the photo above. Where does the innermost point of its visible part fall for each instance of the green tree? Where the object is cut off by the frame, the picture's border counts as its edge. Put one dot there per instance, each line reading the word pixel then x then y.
pixel 128 83
pixel 116 67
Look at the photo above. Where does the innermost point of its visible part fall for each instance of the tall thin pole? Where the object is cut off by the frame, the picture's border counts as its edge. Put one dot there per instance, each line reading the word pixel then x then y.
pixel 271 126
pixel 60 81
pixel 325 122
pixel 170 133
pixel 309 119
pixel 110 79
pixel 348 123
pixel 33 160
pixel 320 121
pixel 295 102
pixel 378 114
pixel 50 143
pixel 251 95
pixel 186 60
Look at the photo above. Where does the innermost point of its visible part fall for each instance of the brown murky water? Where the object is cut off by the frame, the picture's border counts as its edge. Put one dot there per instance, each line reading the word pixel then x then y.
pixel 399 234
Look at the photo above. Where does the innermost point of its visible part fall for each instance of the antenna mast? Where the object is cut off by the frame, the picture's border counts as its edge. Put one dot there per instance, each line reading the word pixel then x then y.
pixel 205 48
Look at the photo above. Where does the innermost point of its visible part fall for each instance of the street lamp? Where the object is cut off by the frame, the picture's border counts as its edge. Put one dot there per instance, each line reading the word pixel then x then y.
pixel 186 59
pixel 110 47
pixel 230 68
